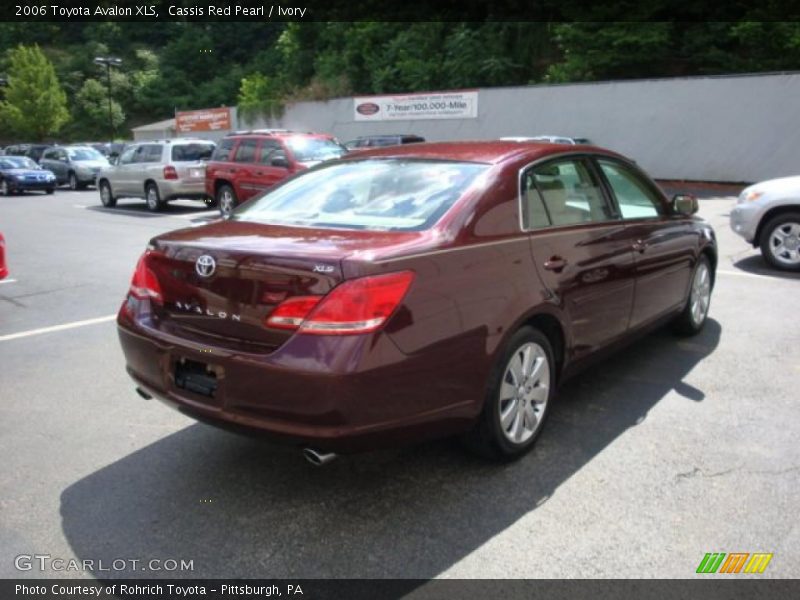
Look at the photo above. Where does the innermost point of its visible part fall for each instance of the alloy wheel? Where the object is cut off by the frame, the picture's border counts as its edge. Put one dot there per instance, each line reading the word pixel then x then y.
pixel 784 244
pixel 701 294
pixel 73 182
pixel 4 187
pixel 226 202
pixel 524 390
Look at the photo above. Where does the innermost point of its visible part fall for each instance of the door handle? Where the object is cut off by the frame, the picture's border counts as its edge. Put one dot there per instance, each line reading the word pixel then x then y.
pixel 639 246
pixel 555 263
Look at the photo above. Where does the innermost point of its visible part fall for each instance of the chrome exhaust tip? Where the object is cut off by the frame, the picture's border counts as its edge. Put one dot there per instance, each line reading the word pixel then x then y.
pixel 143 394
pixel 316 458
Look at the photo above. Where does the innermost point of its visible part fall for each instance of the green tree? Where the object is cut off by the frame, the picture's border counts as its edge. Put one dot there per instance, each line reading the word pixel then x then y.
pixel 92 104
pixel 35 106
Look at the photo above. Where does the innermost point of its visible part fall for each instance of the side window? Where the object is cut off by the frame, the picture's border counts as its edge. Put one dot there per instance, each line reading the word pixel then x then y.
pixel 246 151
pixel 223 151
pixel 635 197
pixel 61 155
pixel 268 150
pixel 148 153
pixel 127 157
pixel 562 193
pixel 50 155
pixel 154 153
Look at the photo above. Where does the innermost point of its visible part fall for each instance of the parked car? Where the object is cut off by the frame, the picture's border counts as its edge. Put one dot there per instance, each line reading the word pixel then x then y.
pixel 35 151
pixel 379 141
pixel 550 139
pixel 20 174
pixel 158 171
pixel 3 265
pixel 248 163
pixel 16 150
pixel 412 292
pixel 77 166
pixel 767 215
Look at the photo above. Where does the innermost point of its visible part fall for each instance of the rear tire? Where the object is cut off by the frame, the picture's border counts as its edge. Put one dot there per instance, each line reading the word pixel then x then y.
pixel 519 393
pixel 50 191
pixel 106 195
pixel 226 200
pixel 695 314
pixel 153 198
pixel 780 242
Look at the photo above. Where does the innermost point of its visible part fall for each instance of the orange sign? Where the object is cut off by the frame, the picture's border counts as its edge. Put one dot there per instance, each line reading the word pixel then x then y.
pixel 208 119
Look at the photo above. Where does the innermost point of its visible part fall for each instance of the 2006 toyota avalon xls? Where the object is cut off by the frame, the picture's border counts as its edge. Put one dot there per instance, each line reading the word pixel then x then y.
pixel 413 292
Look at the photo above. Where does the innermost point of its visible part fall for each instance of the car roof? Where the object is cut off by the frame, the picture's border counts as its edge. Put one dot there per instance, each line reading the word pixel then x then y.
pixel 492 152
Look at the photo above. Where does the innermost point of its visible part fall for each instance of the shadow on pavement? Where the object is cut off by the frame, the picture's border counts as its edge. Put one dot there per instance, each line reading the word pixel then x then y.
pixel 238 507
pixel 757 265
pixel 139 209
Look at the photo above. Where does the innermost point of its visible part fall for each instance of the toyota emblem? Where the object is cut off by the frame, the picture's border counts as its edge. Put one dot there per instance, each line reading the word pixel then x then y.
pixel 205 266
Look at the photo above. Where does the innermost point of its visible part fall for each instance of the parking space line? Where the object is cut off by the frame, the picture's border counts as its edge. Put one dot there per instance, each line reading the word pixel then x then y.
pixel 8 281
pixel 63 327
pixel 743 274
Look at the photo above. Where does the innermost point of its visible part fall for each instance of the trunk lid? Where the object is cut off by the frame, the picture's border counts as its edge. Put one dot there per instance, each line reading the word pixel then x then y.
pixel 221 281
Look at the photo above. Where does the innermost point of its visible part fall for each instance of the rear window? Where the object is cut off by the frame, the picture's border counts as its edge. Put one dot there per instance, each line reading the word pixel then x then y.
pixel 192 152
pixel 379 195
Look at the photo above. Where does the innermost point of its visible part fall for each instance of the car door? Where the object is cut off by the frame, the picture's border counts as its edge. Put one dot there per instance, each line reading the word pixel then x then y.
pixel 244 176
pixel 272 163
pixel 46 162
pixel 59 165
pixel 663 244
pixel 580 250
pixel 121 175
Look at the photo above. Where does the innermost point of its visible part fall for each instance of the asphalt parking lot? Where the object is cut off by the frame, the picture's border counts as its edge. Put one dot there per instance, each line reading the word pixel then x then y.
pixel 669 450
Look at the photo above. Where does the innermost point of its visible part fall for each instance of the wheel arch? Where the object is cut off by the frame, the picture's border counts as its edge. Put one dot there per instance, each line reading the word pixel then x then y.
pixel 771 214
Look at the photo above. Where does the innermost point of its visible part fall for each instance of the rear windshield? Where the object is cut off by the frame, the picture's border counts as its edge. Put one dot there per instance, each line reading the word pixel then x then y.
pixel 308 149
pixel 380 195
pixel 190 152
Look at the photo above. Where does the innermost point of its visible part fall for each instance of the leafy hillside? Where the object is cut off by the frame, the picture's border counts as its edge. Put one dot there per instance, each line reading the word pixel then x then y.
pixel 181 65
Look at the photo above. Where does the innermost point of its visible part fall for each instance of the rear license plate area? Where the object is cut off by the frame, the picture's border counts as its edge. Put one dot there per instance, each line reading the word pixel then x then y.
pixel 196 377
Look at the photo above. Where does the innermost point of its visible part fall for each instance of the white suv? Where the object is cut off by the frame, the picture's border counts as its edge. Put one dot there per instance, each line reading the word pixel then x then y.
pixel 158 171
pixel 767 214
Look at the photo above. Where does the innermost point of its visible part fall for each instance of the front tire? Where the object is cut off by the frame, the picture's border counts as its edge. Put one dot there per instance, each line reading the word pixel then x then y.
pixel 153 198
pixel 5 190
pixel 226 200
pixel 693 318
pixel 50 191
pixel 106 195
pixel 780 242
pixel 519 393
pixel 73 182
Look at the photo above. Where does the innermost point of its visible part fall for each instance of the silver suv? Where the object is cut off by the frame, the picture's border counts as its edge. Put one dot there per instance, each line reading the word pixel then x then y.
pixel 158 171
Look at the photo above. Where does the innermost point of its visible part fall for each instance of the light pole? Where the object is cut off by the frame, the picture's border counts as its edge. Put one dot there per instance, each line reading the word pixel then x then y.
pixel 108 62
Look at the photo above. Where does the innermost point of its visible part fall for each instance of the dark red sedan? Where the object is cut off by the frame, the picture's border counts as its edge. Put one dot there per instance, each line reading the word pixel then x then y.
pixel 413 292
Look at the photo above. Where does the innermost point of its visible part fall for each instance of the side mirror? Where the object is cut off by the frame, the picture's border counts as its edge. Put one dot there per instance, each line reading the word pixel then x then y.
pixel 684 204
pixel 280 161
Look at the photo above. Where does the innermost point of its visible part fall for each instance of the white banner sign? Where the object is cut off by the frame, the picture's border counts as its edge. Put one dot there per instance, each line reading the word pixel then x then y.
pixel 434 105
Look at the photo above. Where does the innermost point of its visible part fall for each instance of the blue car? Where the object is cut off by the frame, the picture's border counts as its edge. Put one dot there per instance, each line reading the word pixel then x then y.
pixel 20 174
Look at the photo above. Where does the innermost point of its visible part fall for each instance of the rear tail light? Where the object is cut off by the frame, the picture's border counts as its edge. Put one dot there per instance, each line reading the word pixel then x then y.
pixel 170 172
pixel 356 306
pixel 291 313
pixel 144 283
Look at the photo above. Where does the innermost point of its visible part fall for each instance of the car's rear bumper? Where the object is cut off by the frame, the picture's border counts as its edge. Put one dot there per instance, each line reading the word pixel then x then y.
pixel 193 189
pixel 356 393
